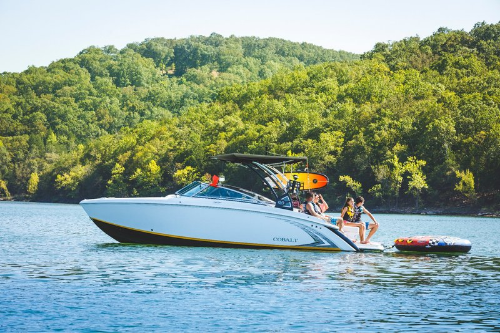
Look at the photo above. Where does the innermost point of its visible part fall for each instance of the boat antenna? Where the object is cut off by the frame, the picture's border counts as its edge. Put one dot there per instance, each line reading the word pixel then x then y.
pixel 307 169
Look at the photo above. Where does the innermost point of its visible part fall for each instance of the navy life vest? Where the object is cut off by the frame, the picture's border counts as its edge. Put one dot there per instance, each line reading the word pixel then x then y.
pixel 357 213
pixel 315 207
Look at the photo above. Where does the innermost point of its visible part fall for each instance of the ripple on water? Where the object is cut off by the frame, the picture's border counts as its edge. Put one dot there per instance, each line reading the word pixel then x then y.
pixel 59 272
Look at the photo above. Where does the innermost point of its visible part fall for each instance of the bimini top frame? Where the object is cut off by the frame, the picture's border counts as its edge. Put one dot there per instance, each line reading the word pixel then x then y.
pixel 262 159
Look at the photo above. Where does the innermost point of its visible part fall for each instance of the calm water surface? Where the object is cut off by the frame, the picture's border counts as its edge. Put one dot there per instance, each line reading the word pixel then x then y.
pixel 59 272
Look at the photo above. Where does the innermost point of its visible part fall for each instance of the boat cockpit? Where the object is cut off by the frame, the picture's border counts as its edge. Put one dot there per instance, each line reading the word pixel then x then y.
pixel 264 167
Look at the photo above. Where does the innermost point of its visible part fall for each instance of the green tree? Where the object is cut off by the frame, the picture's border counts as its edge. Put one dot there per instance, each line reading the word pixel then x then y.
pixel 147 181
pixel 186 175
pixel 465 184
pixel 4 191
pixel 116 186
pixel 355 186
pixel 376 191
pixel 33 183
pixel 70 181
pixel 416 178
pixel 390 175
pixel 436 98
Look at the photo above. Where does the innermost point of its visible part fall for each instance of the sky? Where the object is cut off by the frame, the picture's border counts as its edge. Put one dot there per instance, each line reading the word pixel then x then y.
pixel 35 33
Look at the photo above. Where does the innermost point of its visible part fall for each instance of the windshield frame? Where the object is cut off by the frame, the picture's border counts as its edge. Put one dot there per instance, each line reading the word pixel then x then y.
pixel 195 189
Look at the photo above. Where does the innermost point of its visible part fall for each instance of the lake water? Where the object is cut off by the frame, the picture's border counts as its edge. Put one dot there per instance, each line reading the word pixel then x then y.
pixel 59 272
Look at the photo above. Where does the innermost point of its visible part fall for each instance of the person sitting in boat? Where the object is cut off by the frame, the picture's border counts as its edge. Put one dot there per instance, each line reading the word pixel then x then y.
pixel 347 219
pixel 360 209
pixel 296 202
pixel 311 208
pixel 320 202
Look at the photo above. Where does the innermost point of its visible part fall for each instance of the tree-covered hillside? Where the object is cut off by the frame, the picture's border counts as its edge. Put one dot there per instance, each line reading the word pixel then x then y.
pixel 46 112
pixel 414 120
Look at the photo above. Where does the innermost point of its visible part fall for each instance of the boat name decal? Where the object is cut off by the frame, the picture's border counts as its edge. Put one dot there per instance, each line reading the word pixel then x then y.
pixel 285 239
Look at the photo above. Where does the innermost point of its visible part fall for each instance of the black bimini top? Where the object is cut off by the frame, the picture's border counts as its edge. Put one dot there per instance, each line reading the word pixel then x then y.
pixel 263 159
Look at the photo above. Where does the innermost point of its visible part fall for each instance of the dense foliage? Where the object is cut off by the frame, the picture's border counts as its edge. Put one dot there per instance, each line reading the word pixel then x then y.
pixel 414 120
pixel 46 112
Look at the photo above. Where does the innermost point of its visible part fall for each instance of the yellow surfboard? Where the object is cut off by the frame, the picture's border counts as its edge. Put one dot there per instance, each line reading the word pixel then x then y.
pixel 309 180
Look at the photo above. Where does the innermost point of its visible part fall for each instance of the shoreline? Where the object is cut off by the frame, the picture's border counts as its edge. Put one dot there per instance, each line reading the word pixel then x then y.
pixel 451 210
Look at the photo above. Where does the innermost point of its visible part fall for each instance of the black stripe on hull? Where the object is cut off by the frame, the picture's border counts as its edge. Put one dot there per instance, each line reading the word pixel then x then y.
pixel 127 235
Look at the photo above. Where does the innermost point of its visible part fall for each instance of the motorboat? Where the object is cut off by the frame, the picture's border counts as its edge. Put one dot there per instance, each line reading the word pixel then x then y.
pixel 221 215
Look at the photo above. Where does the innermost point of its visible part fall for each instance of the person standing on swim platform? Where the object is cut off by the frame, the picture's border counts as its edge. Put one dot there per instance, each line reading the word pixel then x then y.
pixel 360 209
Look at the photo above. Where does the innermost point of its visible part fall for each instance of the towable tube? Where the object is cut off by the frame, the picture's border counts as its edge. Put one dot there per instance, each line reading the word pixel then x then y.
pixel 433 244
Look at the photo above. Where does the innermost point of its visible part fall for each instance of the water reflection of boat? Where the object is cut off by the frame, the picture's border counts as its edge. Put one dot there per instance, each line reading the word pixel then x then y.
pixel 202 214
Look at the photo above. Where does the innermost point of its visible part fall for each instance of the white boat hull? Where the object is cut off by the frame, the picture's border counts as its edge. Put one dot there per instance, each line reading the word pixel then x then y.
pixel 178 220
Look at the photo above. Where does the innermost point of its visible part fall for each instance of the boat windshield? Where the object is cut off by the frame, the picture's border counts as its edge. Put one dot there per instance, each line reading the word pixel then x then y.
pixel 203 190
pixel 223 193
pixel 253 195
